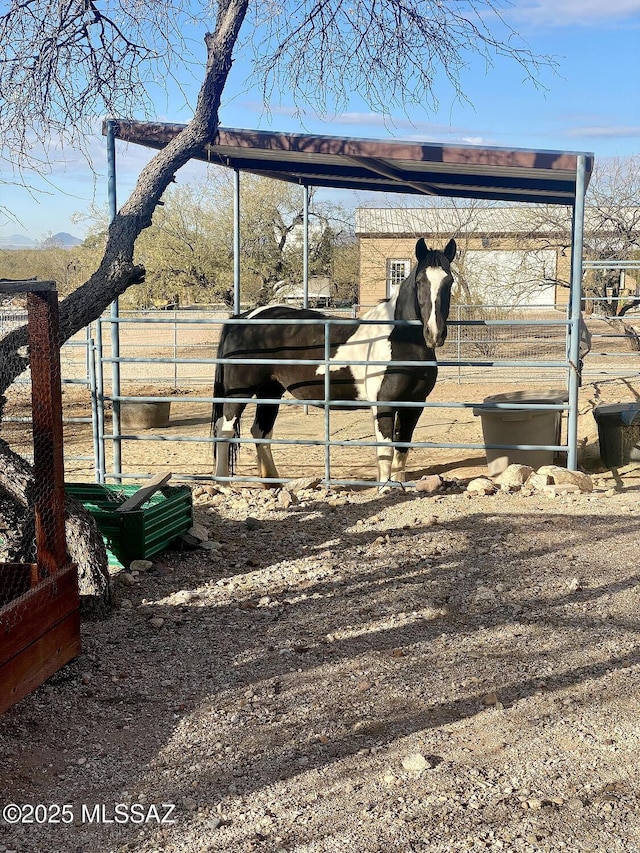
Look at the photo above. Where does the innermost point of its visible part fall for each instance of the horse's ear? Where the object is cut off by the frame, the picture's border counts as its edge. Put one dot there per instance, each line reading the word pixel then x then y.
pixel 421 250
pixel 450 250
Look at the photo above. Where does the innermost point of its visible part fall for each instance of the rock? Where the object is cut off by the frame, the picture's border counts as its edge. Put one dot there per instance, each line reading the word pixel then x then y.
pixel 559 489
pixel 182 596
pixel 303 483
pixel 415 762
pixel 560 476
pixel 210 545
pixel 252 523
pixel 189 542
pixel 140 565
pixel 335 502
pixel 199 531
pixel 537 481
pixel 429 484
pixel 156 622
pixel 481 486
pixel 514 476
pixel 285 498
pixel 484 595
pixel 491 700
pixel 127 579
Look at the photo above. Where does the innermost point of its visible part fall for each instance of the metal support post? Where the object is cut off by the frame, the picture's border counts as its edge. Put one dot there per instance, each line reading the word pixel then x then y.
pixel 305 249
pixel 575 301
pixel 236 242
pixel 115 311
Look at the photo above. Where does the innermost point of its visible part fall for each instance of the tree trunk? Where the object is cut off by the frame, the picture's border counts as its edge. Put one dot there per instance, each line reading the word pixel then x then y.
pixel 87 550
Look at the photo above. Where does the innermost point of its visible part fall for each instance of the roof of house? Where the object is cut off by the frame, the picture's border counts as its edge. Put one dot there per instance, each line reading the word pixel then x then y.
pixel 423 168
pixel 494 220
pixel 454 220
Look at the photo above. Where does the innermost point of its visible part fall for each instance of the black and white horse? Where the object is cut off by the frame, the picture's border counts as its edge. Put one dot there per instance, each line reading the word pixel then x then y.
pixel 424 295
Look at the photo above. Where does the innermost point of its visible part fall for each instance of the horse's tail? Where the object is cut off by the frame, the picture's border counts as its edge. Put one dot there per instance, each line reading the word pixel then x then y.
pixel 217 413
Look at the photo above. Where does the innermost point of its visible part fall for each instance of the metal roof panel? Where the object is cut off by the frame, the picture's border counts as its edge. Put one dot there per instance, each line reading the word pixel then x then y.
pixel 461 171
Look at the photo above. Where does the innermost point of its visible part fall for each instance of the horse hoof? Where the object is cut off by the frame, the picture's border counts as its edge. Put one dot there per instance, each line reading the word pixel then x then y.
pixel 389 485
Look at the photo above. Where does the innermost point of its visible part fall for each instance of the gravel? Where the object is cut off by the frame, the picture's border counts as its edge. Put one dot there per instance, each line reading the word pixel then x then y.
pixel 350 672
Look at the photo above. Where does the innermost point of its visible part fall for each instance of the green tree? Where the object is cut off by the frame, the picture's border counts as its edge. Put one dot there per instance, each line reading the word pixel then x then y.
pixel 185 251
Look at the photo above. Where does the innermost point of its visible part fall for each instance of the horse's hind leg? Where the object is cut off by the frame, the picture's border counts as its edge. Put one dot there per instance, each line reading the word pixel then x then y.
pixel 226 426
pixel 266 414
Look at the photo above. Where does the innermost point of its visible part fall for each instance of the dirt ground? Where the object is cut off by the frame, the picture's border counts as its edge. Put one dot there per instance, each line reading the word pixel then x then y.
pixel 349 672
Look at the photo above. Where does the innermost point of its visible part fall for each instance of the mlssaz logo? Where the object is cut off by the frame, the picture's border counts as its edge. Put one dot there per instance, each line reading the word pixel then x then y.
pixel 135 813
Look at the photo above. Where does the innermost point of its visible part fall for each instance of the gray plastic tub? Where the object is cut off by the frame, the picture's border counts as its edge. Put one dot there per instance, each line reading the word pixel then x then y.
pixel 521 426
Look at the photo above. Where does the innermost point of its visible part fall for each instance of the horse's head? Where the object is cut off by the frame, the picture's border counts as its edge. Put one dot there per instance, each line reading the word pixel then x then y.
pixel 433 290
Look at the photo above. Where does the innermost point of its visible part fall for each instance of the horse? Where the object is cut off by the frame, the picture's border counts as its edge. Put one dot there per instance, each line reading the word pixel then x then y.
pixel 424 295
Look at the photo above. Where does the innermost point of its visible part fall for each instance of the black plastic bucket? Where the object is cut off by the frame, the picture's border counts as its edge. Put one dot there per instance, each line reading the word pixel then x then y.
pixel 619 433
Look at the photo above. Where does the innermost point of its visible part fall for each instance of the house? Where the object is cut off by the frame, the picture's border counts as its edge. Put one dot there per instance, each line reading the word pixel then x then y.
pixel 506 255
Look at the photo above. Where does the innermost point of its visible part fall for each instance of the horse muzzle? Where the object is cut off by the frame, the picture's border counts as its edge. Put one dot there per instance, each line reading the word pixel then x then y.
pixel 437 340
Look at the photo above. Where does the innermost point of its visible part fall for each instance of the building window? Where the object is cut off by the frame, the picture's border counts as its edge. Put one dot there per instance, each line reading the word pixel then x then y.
pixel 397 271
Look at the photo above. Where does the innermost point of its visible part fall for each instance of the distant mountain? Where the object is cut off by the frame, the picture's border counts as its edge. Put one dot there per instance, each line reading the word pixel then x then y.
pixel 61 240
pixel 16 241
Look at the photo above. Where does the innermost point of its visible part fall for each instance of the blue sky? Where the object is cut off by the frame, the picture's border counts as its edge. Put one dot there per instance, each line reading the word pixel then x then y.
pixel 591 104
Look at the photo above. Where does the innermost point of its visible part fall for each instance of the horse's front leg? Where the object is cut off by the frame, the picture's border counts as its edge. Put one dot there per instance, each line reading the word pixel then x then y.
pixel 383 421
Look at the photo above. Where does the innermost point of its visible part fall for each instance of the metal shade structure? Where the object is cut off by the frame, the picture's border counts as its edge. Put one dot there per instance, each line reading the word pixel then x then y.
pixel 429 169
pixel 448 171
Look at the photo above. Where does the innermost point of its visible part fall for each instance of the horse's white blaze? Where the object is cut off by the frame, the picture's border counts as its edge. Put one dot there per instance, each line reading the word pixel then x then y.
pixel 436 276
pixel 367 343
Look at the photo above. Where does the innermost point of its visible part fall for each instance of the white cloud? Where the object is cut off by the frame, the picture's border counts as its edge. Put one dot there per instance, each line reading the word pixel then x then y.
pixel 475 140
pixel 572 12
pixel 606 131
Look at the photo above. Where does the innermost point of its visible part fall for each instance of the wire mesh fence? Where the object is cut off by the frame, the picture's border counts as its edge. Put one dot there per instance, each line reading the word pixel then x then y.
pixel 39 604
pixel 486 337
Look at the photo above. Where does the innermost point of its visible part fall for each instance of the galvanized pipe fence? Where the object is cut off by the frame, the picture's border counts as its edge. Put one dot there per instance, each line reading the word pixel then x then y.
pixel 560 363
pixel 486 343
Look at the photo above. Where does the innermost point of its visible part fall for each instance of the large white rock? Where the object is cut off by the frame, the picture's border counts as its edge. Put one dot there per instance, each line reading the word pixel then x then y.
pixel 538 481
pixel 514 476
pixel 560 476
pixel 481 486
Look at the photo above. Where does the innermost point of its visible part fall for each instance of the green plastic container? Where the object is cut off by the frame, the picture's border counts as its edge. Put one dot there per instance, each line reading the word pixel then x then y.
pixel 139 534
